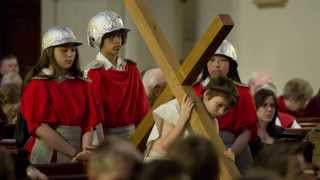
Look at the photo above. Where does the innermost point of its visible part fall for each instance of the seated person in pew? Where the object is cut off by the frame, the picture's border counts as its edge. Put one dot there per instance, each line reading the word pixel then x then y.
pixel 198 157
pixel 114 159
pixel 171 118
pixel 57 104
pixel 289 159
pixel 313 107
pixel 266 106
pixel 163 169
pixel 296 95
pixel 262 80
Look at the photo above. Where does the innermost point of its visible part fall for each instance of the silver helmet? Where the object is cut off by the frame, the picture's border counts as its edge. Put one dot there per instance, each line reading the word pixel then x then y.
pixel 59 35
pixel 102 23
pixel 227 49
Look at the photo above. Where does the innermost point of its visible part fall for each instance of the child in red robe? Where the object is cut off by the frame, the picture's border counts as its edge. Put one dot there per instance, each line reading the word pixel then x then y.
pixel 116 82
pixel 56 103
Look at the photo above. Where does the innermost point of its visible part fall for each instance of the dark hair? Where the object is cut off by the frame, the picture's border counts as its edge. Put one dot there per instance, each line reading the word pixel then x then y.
pixel 260 97
pixel 222 86
pixel 198 156
pixel 161 169
pixel 233 73
pixel 47 58
pixel 123 33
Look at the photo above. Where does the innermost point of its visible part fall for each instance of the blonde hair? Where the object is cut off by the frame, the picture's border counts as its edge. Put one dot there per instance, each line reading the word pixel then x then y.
pixel 298 89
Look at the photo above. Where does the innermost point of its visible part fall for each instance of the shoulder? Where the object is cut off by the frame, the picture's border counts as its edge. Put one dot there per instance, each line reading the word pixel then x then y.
pixel 168 111
pixel 241 85
pixel 130 61
pixel 34 88
pixel 94 65
pixel 243 89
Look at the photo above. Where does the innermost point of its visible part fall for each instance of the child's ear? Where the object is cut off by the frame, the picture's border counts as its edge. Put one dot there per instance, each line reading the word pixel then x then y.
pixel 206 95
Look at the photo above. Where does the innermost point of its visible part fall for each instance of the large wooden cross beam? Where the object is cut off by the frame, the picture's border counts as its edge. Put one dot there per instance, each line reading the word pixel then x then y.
pixel 180 79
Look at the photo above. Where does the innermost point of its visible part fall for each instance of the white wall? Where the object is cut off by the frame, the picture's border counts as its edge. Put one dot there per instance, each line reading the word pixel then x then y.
pixel 281 41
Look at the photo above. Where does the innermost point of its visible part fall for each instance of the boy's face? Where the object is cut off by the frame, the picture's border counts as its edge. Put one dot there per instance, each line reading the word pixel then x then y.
pixel 296 105
pixel 216 106
pixel 112 43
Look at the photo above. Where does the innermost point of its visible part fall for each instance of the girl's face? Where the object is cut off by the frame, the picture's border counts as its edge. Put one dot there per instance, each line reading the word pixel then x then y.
pixel 113 43
pixel 64 56
pixel 218 66
pixel 267 111
pixel 216 106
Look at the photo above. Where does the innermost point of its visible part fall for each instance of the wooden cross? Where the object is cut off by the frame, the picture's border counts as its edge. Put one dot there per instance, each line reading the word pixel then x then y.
pixel 180 79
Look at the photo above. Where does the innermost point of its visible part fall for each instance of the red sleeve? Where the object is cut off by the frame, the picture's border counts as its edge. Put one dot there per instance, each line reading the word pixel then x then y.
pixel 96 92
pixel 245 112
pixel 145 105
pixel 34 105
pixel 92 115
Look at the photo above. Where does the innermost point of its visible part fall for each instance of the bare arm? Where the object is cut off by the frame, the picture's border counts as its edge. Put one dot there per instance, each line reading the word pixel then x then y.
pixel 86 140
pixel 171 133
pixel 54 140
pixel 241 142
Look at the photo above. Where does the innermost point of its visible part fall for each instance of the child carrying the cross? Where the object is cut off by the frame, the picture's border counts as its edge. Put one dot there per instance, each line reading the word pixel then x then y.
pixel 171 119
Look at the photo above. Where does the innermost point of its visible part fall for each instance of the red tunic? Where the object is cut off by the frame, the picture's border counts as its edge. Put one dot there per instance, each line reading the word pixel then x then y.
pixel 58 103
pixel 120 95
pixel 283 108
pixel 242 116
pixel 313 107
pixel 286 120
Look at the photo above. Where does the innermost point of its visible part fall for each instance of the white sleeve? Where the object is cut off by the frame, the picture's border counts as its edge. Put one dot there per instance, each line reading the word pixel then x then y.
pixel 295 125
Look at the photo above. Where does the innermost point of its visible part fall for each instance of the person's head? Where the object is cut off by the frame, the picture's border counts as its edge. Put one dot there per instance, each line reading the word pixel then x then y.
pixel 107 32
pixel 114 159
pixel 261 80
pixel 297 93
pixel 197 156
pixel 223 63
pixel 8 64
pixel 219 95
pixel 163 170
pixel 267 110
pixel 154 82
pixel 59 53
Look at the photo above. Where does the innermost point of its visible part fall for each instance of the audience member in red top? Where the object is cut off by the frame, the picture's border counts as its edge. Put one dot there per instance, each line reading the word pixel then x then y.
pixel 116 82
pixel 56 103
pixel 296 95
pixel 239 124
pixel 262 80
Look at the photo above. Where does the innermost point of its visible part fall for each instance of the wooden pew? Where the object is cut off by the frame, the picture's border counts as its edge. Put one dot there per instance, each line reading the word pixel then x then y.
pixel 6 131
pixel 308 122
pixel 75 171
pixel 9 145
